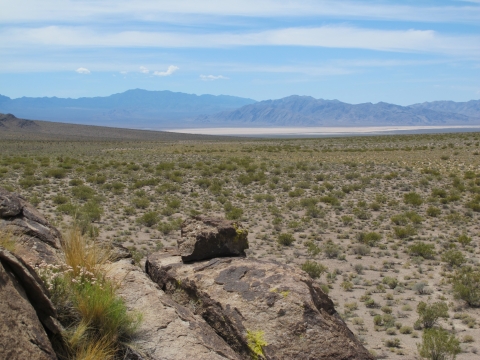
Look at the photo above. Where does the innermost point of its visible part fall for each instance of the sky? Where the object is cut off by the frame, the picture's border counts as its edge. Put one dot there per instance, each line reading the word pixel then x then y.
pixel 401 52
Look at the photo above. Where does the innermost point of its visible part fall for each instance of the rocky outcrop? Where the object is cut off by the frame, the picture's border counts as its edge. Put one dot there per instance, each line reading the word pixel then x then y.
pixel 206 238
pixel 25 312
pixel 169 331
pixel 271 302
pixel 36 239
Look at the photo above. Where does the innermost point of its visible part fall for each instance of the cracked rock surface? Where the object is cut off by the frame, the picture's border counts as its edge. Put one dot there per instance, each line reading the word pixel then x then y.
pixel 238 295
pixel 169 331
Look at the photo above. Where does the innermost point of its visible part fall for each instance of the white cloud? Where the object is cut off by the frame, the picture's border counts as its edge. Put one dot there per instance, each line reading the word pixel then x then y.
pixel 171 69
pixel 421 41
pixel 123 72
pixel 163 11
pixel 144 70
pixel 213 77
pixel 83 70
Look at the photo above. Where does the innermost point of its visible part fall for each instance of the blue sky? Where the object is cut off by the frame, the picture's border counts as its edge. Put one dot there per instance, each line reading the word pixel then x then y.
pixel 401 52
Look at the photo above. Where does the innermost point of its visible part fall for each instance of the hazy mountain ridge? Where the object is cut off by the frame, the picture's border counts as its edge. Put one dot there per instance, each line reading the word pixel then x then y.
pixel 162 109
pixel 469 108
pixel 135 107
pixel 306 111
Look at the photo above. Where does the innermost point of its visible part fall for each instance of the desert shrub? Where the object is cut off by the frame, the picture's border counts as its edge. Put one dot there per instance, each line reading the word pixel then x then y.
pixel 312 248
pixel 141 202
pixel 399 219
pixel 412 198
pixel 330 199
pixel 59 199
pixel 83 192
pixel 234 213
pixel 167 227
pixel 392 343
pixel 466 285
pixel 362 250
pixel 285 239
pixel 91 211
pixel 453 258
pixel 441 193
pixel 429 314
pixel 314 269
pixel 86 302
pixel 68 209
pixel 359 268
pixel 331 250
pixel 148 219
pixel 413 217
pixel 427 251
pixel 347 220
pixel 403 232
pixel 347 286
pixel 314 212
pixel 406 330
pixel 390 282
pixel 370 238
pixel 438 344
pixel 57 173
pixel 433 211
pixel 421 288
pixel 464 239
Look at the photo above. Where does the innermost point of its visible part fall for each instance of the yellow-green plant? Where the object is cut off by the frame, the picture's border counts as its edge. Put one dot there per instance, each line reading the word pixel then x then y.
pixel 256 342
pixel 6 241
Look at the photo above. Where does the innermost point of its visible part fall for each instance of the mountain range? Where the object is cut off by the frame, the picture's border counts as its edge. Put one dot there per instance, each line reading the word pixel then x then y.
pixel 165 109
pixel 132 108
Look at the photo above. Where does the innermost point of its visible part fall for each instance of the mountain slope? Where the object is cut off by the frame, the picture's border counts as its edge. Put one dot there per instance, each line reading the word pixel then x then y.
pixel 470 108
pixel 133 107
pixel 307 111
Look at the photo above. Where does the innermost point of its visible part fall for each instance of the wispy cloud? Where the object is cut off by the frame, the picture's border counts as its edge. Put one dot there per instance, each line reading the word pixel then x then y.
pixel 147 10
pixel 144 70
pixel 422 41
pixel 213 77
pixel 171 69
pixel 83 71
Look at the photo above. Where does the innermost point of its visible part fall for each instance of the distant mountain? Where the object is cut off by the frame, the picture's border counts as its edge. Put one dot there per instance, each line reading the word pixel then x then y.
pixel 307 111
pixel 133 108
pixel 470 108
pixel 10 122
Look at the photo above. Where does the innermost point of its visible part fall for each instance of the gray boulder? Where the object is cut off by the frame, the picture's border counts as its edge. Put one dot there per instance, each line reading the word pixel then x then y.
pixel 247 301
pixel 169 331
pixel 206 238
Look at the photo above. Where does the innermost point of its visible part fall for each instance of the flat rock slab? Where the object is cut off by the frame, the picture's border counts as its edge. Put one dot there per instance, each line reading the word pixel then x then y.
pixel 238 296
pixel 207 238
pixel 168 331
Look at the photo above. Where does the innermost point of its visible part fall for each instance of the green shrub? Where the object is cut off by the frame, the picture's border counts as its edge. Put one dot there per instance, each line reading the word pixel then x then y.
pixel 57 173
pixel 413 198
pixel 428 314
pixel 390 282
pixel 438 344
pixel 331 250
pixel 427 251
pixel 234 213
pixel 403 232
pixel 315 270
pixel 453 258
pixel 464 239
pixel 83 192
pixel 433 211
pixel 148 219
pixel 59 199
pixel 141 202
pixel 312 248
pixel 466 285
pixel 370 238
pixel 285 239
